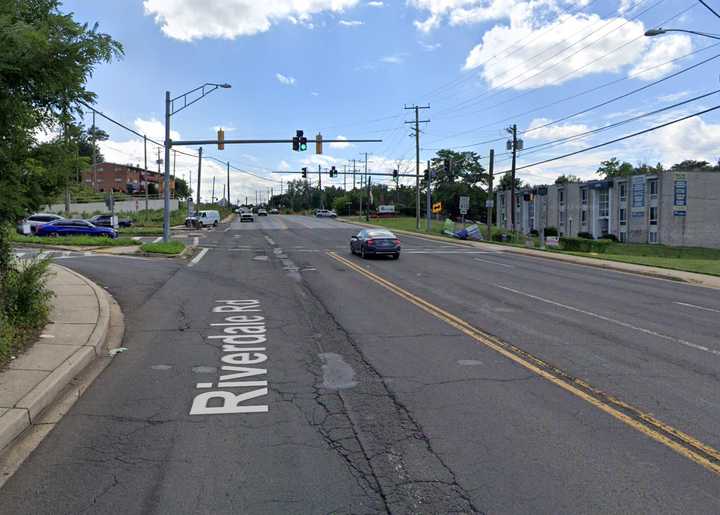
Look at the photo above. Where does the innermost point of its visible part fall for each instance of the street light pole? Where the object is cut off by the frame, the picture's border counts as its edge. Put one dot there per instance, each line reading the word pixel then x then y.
pixel 166 179
pixel 660 31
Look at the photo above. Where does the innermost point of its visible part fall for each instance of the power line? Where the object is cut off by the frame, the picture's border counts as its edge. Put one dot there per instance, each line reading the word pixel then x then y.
pixel 709 8
pixel 616 140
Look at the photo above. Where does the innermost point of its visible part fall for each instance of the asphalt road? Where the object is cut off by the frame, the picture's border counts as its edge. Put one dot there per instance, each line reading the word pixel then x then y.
pixel 453 380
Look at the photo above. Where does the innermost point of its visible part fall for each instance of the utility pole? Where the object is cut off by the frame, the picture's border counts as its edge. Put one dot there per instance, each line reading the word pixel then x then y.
pixel 145 175
pixel 428 200
pixel 212 201
pixel 223 192
pixel 67 175
pixel 227 205
pixel 489 202
pixel 362 183
pixel 367 210
pixel 322 204
pixel 417 123
pixel 94 154
pixel 345 178
pixel 513 145
pixel 175 161
pixel 353 174
pixel 197 195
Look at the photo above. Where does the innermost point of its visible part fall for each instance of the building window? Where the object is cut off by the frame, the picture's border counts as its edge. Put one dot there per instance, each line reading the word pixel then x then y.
pixel 623 216
pixel 583 195
pixel 652 237
pixel 653 216
pixel 623 191
pixel 562 217
pixel 653 188
pixel 583 217
pixel 603 209
pixel 561 196
pixel 623 237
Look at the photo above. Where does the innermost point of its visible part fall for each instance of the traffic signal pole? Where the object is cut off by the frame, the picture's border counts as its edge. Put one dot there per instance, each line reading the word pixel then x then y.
pixel 490 201
pixel 197 195
pixel 428 200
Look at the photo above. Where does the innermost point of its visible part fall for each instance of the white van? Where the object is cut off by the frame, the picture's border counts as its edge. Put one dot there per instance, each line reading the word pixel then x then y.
pixel 208 217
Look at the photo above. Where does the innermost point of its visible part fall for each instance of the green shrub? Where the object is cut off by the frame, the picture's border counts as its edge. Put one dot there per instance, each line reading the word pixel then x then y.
pixel 24 304
pixel 609 236
pixel 172 247
pixel 585 235
pixel 551 231
pixel 84 240
pixel 584 245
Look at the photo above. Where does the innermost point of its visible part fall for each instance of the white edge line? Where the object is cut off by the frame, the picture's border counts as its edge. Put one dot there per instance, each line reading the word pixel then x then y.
pixel 156 240
pixel 697 307
pixel 197 258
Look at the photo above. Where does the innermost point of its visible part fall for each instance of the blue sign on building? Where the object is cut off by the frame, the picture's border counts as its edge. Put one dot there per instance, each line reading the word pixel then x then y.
pixel 680 198
pixel 637 193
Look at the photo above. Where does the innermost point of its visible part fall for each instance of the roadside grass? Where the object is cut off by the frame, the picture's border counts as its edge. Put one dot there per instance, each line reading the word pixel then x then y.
pixel 83 241
pixel 141 231
pixel 24 305
pixel 172 247
pixel 688 259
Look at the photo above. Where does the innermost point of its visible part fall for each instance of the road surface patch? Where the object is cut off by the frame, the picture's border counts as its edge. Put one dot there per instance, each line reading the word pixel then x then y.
pixel 645 423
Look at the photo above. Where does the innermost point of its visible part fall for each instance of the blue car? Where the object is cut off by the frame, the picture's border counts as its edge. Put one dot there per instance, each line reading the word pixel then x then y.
pixel 74 228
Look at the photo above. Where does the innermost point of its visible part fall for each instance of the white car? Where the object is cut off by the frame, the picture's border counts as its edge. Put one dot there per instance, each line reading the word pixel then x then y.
pixel 247 216
pixel 325 213
pixel 31 223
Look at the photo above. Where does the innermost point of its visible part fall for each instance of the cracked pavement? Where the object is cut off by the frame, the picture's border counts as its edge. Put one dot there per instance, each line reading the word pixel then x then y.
pixel 408 416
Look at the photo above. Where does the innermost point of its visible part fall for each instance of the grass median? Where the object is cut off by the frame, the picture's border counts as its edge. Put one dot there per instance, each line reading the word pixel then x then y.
pixel 171 248
pixel 687 259
pixel 79 241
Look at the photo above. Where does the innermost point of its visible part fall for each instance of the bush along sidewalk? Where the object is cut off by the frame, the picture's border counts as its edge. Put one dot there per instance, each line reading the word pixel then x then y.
pixel 24 301
pixel 582 244
pixel 170 248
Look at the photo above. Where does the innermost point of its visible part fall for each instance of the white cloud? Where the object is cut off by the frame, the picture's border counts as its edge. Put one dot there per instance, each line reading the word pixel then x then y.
pixel 522 68
pixel 284 165
pixel 188 20
pixel 693 138
pixel 153 129
pixel 340 145
pixel 392 59
pixel 350 23
pixel 552 131
pixel 661 50
pixel 463 11
pixel 672 97
pixel 375 4
pixel 282 79
pixel 430 47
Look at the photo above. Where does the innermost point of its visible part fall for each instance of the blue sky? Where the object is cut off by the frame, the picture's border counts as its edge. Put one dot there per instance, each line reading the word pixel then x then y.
pixel 347 68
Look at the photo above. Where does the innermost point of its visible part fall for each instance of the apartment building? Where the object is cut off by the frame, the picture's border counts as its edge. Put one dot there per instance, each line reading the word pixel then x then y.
pixel 671 208
pixel 115 177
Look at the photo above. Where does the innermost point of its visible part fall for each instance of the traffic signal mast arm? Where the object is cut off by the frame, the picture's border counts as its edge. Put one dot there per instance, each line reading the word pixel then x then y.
pixel 336 173
pixel 261 141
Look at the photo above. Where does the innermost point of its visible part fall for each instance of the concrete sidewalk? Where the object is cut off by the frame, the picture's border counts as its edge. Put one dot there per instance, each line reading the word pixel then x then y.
pixel 708 281
pixel 82 317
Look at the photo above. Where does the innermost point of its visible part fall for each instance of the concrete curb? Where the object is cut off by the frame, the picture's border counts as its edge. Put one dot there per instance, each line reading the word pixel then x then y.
pixel 16 419
pixel 707 281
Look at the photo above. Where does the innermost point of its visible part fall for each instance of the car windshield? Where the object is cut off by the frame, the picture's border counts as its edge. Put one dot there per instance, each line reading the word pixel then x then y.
pixel 380 234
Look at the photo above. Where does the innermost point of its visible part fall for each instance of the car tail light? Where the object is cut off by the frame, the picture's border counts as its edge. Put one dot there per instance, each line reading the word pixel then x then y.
pixel 370 242
pixel 397 242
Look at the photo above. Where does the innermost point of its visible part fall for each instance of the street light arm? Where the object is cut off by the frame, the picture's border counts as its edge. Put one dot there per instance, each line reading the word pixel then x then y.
pixel 203 93
pixel 660 31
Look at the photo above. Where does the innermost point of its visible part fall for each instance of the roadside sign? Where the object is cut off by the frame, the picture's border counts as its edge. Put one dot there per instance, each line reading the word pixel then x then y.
pixel 680 195
pixel 437 207
pixel 389 208
pixel 552 241
pixel 464 205
pixel 489 203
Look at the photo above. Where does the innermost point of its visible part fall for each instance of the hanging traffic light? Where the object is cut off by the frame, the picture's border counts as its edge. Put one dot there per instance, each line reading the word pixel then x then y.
pixel 296 143
pixel 318 143
pixel 333 171
pixel 221 139
pixel 304 172
pixel 303 141
pixel 447 164
pixel 395 174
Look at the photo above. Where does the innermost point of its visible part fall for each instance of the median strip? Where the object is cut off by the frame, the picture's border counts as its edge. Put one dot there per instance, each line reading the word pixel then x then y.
pixel 645 423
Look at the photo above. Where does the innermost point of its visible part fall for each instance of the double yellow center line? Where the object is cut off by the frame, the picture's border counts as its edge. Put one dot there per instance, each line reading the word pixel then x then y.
pixel 659 431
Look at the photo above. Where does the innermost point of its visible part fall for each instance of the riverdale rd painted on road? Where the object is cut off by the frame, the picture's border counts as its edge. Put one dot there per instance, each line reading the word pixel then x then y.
pixel 381 396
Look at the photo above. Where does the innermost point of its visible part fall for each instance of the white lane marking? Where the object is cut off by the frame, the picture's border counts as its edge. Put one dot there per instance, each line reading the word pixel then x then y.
pixel 66 254
pixel 44 255
pixel 697 307
pixel 493 262
pixel 614 321
pixel 226 230
pixel 196 241
pixel 269 240
pixel 156 240
pixel 87 253
pixel 197 258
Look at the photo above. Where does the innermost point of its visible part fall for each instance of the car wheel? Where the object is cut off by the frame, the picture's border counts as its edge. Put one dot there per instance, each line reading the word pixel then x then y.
pixel 362 253
pixel 53 235
pixel 396 255
pixel 215 223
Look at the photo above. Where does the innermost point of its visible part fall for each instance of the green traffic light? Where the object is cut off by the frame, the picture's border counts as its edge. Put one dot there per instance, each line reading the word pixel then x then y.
pixel 303 147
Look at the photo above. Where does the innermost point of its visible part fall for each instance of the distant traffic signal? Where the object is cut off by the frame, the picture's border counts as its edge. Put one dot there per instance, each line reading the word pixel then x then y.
pixel 303 141
pixel 333 171
pixel 304 172
pixel 395 174
pixel 318 143
pixel 221 139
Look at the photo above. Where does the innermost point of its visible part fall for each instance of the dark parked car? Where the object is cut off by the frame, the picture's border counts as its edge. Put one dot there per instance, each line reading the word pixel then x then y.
pixel 74 228
pixel 105 221
pixel 375 242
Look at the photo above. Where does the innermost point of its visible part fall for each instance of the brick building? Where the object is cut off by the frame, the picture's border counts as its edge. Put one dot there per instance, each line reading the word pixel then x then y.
pixel 672 208
pixel 123 178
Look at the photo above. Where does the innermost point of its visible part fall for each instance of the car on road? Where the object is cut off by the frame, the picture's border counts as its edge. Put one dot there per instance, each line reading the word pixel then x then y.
pixel 262 212
pixel 375 242
pixel 247 216
pixel 34 221
pixel 106 221
pixel 325 213
pixel 274 211
pixel 205 218
pixel 74 227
